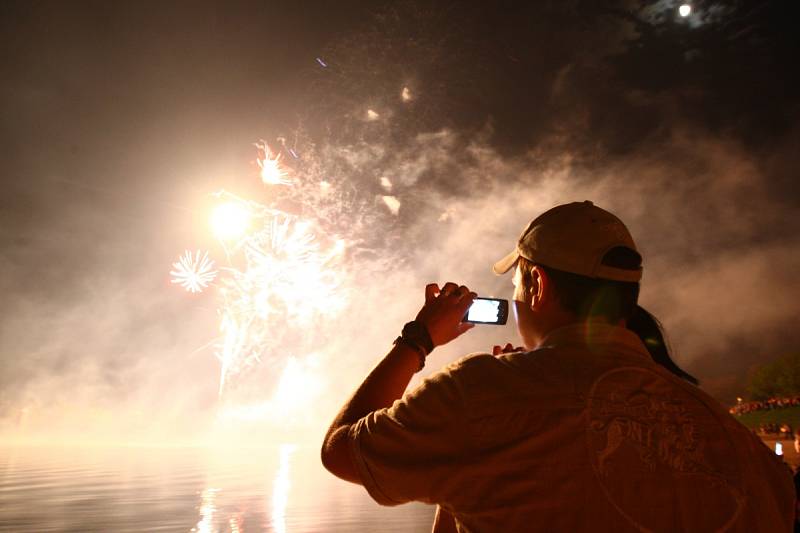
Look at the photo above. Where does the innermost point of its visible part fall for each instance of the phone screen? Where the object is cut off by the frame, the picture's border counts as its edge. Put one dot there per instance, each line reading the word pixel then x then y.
pixel 488 311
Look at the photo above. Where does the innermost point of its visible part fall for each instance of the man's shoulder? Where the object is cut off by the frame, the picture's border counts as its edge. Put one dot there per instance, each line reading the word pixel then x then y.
pixel 478 363
pixel 482 370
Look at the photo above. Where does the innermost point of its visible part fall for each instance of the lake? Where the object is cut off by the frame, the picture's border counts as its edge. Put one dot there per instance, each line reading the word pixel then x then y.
pixel 206 490
pixel 116 489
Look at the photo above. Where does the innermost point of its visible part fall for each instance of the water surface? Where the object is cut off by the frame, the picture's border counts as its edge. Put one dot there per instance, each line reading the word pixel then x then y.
pixel 117 489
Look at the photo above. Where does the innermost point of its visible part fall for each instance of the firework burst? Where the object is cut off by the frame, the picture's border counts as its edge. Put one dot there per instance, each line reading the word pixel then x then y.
pixel 271 171
pixel 281 279
pixel 193 272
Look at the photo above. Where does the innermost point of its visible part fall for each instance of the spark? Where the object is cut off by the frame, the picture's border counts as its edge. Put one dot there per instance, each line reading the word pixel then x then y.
pixel 386 183
pixel 372 115
pixel 193 272
pixel 685 10
pixel 291 150
pixel 322 63
pixel 271 171
pixel 392 203
pixel 406 94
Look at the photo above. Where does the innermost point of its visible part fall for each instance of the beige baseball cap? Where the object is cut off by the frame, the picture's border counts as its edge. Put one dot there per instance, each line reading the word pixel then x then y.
pixel 574 238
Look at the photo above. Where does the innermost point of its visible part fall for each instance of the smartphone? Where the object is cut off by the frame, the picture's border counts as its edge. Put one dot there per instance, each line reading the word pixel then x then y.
pixel 487 311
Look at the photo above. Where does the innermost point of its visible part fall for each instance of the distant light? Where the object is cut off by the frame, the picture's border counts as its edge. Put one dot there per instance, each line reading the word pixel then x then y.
pixel 372 115
pixel 406 94
pixel 386 183
pixel 230 220
pixel 685 10
pixel 778 448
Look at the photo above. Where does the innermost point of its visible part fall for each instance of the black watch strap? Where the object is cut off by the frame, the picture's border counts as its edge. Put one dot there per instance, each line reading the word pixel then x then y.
pixel 417 333
pixel 418 349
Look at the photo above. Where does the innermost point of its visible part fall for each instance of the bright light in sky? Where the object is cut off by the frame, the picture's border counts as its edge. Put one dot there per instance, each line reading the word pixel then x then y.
pixel 230 220
pixel 685 10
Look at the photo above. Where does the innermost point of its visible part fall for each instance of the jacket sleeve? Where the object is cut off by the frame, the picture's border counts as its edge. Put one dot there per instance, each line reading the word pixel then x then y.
pixel 410 451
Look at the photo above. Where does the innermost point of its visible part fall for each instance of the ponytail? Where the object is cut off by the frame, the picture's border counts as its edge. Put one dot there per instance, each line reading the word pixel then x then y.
pixel 650 331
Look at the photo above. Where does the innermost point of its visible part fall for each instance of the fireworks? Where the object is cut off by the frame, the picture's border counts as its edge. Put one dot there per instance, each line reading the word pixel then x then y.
pixel 281 277
pixel 271 171
pixel 193 272
pixel 285 282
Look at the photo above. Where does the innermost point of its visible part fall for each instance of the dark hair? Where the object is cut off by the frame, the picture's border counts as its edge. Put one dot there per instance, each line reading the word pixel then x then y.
pixel 591 297
pixel 650 330
pixel 613 300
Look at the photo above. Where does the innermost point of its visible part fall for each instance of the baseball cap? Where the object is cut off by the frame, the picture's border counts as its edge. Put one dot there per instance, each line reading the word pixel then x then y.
pixel 574 238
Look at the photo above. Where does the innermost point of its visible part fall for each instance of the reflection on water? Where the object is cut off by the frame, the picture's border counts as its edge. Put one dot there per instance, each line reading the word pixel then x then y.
pixel 206 523
pixel 282 489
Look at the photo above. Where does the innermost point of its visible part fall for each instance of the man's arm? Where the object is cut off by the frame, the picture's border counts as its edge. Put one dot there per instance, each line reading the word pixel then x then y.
pixel 441 315
pixel 385 384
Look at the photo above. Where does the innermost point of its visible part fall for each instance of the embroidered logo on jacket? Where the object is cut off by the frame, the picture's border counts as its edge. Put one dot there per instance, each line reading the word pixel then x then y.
pixel 660 454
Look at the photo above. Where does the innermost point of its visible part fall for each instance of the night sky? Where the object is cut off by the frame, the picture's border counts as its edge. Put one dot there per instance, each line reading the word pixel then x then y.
pixel 120 119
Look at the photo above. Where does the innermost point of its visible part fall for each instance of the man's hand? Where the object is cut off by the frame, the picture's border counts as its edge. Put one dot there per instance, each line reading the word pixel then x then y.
pixel 508 348
pixel 444 311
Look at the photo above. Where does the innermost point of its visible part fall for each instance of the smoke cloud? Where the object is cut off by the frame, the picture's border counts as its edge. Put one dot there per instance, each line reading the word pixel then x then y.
pixel 427 143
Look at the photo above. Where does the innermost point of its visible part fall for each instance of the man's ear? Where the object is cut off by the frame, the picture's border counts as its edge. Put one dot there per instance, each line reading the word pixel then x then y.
pixel 540 287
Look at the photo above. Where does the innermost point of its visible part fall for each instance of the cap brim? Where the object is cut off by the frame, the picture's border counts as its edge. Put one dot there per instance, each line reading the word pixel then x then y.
pixel 506 263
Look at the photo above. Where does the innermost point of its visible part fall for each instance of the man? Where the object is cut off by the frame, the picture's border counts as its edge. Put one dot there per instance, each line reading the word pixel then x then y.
pixel 583 432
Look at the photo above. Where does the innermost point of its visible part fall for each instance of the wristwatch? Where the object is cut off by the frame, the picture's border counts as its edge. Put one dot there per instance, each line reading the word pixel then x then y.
pixel 415 335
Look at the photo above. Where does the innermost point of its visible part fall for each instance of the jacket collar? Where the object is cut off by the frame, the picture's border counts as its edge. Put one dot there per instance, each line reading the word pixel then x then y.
pixel 594 334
